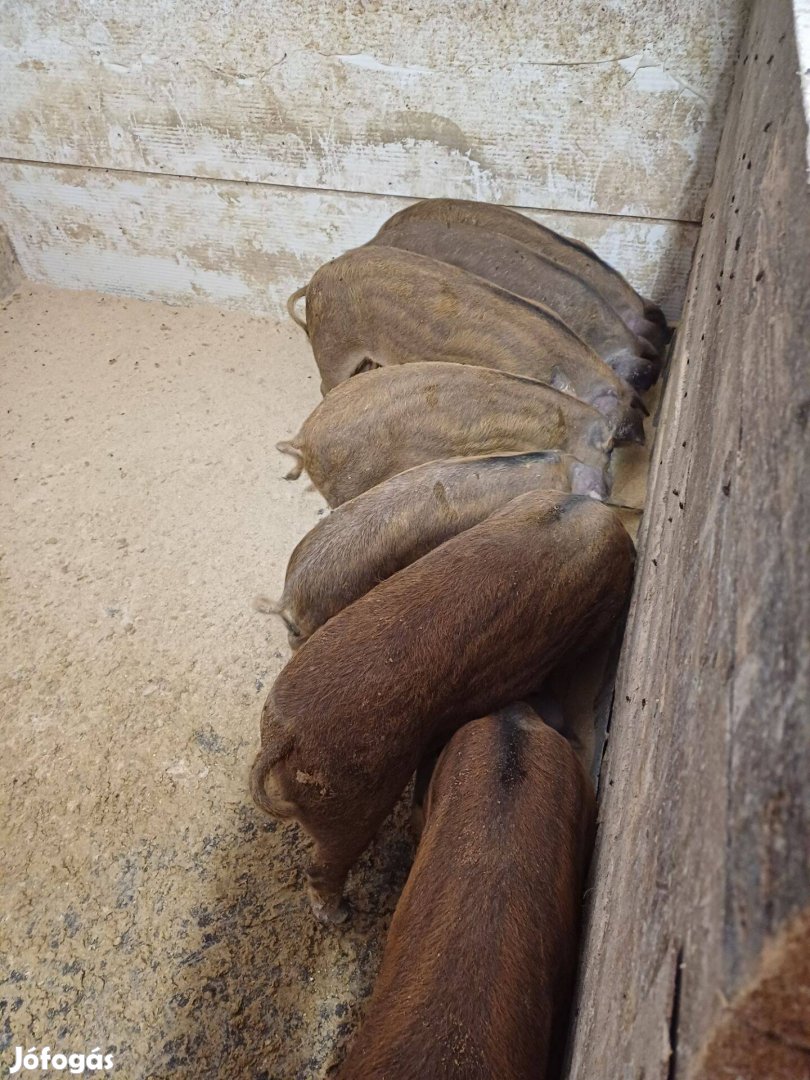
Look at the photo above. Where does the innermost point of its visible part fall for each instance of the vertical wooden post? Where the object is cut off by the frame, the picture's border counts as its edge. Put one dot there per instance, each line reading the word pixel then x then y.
pixel 697 934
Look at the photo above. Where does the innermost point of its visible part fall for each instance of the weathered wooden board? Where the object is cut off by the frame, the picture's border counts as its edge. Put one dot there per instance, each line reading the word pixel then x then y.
pixel 613 108
pixel 249 245
pixel 702 855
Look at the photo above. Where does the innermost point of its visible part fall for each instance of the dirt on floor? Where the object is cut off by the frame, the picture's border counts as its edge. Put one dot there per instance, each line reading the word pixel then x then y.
pixel 147 908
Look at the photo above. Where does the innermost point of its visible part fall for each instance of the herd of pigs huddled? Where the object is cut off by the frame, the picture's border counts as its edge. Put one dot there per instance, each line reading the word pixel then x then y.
pixel 478 370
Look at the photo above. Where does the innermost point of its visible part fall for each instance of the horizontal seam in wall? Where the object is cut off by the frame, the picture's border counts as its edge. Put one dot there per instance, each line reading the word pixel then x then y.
pixel 324 191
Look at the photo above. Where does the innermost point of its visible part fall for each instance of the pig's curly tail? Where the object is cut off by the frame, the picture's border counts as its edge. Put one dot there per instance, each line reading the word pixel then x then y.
pixel 296 296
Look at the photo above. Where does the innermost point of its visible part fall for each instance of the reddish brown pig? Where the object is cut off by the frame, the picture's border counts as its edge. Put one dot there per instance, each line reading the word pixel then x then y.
pixel 370 537
pixel 382 306
pixel 479 965
pixel 471 626
pixel 524 271
pixel 386 421
pixel 642 316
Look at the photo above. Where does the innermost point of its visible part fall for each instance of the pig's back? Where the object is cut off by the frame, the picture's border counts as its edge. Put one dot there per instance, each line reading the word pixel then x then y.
pixel 515 266
pixel 372 536
pixel 570 253
pixel 386 421
pixel 495 887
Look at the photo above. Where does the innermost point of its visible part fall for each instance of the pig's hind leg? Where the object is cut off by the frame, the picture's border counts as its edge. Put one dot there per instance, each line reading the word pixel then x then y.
pixel 329 866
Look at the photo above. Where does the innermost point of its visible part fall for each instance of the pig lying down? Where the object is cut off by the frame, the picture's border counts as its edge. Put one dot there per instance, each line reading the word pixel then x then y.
pixel 479 965
pixel 381 306
pixel 525 272
pixel 383 422
pixel 644 318
pixel 393 524
pixel 471 626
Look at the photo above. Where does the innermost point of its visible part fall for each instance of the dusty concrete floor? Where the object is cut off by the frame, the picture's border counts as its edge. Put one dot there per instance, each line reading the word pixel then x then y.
pixel 147 908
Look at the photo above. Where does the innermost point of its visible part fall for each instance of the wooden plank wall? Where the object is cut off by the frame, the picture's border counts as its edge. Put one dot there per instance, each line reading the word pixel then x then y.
pixel 697 951
pixel 249 142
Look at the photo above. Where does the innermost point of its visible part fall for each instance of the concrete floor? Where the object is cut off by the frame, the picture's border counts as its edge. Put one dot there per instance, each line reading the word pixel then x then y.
pixel 147 908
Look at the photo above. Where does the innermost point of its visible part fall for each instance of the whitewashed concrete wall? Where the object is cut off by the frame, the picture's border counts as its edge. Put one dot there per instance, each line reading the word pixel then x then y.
pixel 801 12
pixel 222 150
pixel 9 267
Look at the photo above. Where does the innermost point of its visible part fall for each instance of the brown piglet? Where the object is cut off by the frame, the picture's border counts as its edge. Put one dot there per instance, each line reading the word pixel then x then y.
pixel 643 317
pixel 528 273
pixel 385 421
pixel 473 625
pixel 479 964
pixel 382 306
pixel 393 524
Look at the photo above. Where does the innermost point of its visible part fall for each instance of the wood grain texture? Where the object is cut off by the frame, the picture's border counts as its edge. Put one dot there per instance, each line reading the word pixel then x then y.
pixel 250 246
pixel 610 108
pixel 705 807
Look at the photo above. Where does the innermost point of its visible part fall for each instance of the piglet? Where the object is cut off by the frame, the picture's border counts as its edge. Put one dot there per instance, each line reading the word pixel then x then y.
pixel 383 422
pixel 370 537
pixel 478 968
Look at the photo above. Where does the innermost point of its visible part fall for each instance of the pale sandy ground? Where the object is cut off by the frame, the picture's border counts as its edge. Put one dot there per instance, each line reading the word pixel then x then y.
pixel 147 908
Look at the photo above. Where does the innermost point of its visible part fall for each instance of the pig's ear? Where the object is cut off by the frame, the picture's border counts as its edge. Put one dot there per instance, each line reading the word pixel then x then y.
pixel 559 381
pixel 588 480
pixel 600 435
pixel 367 364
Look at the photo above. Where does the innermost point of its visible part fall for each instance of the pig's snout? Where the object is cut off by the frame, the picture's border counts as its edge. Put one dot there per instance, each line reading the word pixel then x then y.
pixel 588 480
pixel 654 314
pixel 649 329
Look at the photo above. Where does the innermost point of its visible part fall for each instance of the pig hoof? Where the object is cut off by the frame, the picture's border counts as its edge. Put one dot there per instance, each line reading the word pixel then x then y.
pixel 328 914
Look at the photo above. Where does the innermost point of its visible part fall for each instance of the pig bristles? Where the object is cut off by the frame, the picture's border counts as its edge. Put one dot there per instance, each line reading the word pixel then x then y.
pixel 298 468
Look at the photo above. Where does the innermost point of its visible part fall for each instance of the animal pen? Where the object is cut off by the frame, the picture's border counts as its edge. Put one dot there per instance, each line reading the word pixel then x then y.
pixel 169 175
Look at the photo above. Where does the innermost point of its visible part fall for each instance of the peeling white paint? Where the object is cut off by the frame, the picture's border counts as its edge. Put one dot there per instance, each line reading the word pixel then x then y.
pixel 342 97
pixel 370 63
pixel 249 246
pixel 347 110
pixel 801 12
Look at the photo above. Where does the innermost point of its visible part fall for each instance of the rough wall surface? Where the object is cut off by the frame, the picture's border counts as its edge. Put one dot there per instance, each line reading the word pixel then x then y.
pixel 10 274
pixel 702 860
pixel 566 107
pixel 249 246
